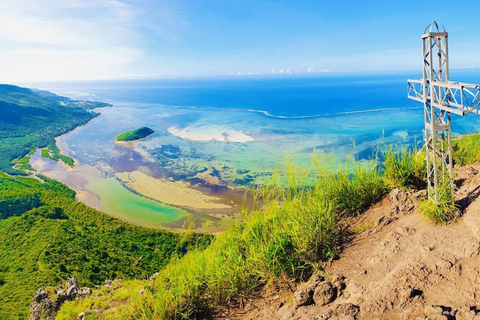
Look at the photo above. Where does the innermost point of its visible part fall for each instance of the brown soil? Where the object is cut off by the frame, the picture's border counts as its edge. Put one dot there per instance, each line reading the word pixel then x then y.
pixel 400 266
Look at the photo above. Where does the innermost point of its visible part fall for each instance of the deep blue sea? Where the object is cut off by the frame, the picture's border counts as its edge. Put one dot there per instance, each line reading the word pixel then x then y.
pixel 280 96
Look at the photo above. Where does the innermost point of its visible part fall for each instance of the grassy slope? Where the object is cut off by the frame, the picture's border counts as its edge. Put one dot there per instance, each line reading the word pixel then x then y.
pixel 45 234
pixel 292 233
pixel 270 242
pixel 136 134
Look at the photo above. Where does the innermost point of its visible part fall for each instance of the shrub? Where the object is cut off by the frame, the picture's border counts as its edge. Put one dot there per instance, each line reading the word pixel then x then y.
pixel 444 210
pixel 404 168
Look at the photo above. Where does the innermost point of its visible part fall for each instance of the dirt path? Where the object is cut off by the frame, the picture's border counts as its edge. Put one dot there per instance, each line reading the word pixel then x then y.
pixel 400 267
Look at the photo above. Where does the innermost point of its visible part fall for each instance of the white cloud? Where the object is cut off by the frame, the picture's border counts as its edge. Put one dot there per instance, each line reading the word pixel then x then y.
pixel 67 39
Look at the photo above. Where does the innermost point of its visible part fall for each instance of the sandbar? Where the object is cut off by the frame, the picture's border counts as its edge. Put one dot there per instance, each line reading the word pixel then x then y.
pixel 202 133
pixel 176 193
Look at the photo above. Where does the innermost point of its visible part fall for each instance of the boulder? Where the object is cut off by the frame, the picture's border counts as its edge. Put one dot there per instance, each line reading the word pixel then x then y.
pixel 324 293
pixel 303 296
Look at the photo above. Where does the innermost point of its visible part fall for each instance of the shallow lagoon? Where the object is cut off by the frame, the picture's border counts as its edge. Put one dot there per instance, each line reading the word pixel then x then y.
pixel 217 144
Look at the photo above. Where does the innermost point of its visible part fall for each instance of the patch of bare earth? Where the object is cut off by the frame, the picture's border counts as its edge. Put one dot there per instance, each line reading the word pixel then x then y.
pixel 400 267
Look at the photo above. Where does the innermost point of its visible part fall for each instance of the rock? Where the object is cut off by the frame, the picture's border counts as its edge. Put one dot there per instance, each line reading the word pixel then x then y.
pixel 303 296
pixel 141 292
pixel 324 316
pixel 42 307
pixel 346 309
pixel 84 314
pixel 324 293
pixel 72 292
pixel 421 194
pixel 108 283
pixel 40 295
pixel 153 276
pixel 339 282
pixel 465 313
pixel 72 282
pixel 437 317
pixel 84 292
pixel 433 310
pixel 61 296
pixel 315 280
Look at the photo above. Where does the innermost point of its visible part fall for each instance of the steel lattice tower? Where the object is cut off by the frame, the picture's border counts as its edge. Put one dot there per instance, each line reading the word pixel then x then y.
pixel 440 97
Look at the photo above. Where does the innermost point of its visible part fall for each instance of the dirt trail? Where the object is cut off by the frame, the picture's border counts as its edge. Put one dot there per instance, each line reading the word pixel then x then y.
pixel 400 267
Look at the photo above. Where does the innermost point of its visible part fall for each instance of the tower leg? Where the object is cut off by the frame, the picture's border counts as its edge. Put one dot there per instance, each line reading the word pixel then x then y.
pixel 438 151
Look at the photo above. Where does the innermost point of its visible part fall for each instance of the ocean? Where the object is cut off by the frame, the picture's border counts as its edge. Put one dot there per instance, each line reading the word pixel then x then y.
pixel 226 134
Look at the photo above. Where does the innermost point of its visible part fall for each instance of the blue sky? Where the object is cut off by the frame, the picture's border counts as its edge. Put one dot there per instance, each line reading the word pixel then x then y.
pixel 105 39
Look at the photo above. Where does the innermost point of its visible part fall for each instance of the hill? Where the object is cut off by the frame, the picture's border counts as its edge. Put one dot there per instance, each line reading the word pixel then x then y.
pixel 398 266
pixel 32 119
pixel 45 234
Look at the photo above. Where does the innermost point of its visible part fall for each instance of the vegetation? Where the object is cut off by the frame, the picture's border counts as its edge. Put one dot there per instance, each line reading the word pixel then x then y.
pixel 23 164
pixel 404 168
pixel 53 153
pixel 466 149
pixel 290 232
pixel 31 119
pixel 443 211
pixel 465 152
pixel 136 134
pixel 292 229
pixel 46 236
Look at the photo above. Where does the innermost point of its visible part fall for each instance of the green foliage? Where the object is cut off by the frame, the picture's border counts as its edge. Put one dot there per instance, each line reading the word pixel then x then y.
pixel 404 168
pixel 466 149
pixel 52 152
pixel 31 119
pixel 45 153
pixel 136 134
pixel 23 164
pixel 443 211
pixel 46 235
pixel 290 231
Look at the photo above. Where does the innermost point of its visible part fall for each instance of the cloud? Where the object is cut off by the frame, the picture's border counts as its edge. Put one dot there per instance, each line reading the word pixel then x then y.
pixel 66 39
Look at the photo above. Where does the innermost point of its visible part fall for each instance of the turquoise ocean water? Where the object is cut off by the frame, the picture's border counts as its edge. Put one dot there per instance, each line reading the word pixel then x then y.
pixel 230 132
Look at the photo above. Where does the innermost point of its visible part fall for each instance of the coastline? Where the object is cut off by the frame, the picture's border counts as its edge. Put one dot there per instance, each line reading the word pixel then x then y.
pixel 206 206
pixel 175 193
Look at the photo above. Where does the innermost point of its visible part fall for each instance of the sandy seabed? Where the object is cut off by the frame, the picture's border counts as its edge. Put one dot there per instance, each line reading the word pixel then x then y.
pixel 176 193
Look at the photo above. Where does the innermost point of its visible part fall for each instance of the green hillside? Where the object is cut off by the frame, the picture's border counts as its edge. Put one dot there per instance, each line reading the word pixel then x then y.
pixel 32 119
pixel 45 234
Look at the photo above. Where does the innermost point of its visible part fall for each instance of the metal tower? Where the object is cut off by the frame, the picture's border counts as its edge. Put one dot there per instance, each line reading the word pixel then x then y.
pixel 440 97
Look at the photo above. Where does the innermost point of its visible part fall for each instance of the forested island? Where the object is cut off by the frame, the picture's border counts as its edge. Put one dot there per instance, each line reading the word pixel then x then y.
pixel 136 134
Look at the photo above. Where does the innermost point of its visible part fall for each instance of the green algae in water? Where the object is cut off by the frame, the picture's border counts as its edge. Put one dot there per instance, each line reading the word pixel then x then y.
pixel 121 203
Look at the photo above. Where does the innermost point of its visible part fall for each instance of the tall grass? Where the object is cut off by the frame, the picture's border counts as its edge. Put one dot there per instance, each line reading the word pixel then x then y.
pixel 292 229
pixel 466 149
pixel 403 167
pixel 444 210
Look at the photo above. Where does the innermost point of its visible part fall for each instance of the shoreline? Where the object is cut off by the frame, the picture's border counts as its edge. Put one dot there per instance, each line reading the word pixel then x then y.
pixel 205 205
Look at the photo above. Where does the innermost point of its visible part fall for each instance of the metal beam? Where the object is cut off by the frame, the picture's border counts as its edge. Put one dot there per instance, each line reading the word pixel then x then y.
pixel 440 98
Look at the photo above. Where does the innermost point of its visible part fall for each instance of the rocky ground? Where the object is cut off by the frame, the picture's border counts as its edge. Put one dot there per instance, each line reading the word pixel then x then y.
pixel 400 266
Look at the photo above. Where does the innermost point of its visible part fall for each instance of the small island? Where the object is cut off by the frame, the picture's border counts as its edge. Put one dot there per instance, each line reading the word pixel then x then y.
pixel 136 134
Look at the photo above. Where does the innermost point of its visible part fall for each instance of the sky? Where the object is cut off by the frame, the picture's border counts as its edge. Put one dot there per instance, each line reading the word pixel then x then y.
pixel 47 40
